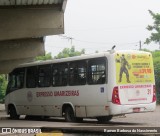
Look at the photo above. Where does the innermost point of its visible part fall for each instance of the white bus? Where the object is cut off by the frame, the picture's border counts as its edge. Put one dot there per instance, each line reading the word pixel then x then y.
pixel 97 86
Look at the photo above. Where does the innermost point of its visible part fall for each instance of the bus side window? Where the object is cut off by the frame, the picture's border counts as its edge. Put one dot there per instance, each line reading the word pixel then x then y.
pixel 44 76
pixel 97 71
pixel 12 81
pixel 56 77
pixel 60 74
pixel 16 80
pixel 31 77
pixel 65 76
pixel 77 73
pixel 20 80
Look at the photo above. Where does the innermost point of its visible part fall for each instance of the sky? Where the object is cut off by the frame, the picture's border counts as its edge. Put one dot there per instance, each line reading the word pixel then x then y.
pixel 97 25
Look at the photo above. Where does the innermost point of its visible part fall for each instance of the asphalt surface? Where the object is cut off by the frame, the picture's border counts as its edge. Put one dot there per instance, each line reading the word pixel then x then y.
pixel 136 120
pixel 2 108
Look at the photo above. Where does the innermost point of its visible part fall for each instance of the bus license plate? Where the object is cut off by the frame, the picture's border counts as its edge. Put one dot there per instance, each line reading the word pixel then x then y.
pixel 136 109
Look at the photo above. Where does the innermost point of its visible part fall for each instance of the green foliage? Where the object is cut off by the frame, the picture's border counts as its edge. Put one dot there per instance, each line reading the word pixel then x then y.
pixel 155 28
pixel 47 56
pixel 69 52
pixel 156 60
pixel 3 86
pixel 157 80
pixel 158 98
pixel 145 50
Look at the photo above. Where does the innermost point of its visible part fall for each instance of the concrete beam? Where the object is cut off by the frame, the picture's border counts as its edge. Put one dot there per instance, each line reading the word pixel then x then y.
pixel 21 49
pixel 15 52
pixel 9 65
pixel 25 22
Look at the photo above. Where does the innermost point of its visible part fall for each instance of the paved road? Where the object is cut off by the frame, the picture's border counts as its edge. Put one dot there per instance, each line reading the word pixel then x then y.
pixel 150 119
pixel 2 108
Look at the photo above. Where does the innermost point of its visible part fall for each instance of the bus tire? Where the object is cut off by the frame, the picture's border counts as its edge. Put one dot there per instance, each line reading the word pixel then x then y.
pixel 13 112
pixel 69 114
pixel 104 119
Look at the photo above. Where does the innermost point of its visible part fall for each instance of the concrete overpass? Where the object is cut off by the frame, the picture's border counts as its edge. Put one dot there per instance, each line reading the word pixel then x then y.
pixel 23 26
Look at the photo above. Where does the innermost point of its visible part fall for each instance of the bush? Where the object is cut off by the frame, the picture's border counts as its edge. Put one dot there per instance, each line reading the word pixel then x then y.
pixel 158 96
pixel 3 85
pixel 2 101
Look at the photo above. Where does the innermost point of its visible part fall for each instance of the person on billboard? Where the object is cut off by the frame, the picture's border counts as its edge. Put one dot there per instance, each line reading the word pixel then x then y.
pixel 123 68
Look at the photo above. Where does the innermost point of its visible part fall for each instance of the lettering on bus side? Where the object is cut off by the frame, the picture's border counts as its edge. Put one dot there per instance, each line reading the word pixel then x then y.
pixel 58 93
pixel 135 86
pixel 67 93
pixel 44 94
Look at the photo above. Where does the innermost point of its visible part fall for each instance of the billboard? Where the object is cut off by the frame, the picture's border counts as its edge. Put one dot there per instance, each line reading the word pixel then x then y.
pixel 134 68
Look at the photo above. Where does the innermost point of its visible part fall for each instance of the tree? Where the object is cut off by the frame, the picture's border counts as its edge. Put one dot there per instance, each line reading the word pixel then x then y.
pixel 3 86
pixel 156 62
pixel 47 56
pixel 69 52
pixel 155 28
pixel 156 58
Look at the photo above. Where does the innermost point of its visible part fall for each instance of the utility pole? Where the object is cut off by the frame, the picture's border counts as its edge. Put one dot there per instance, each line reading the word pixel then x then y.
pixel 68 38
pixel 71 39
pixel 140 45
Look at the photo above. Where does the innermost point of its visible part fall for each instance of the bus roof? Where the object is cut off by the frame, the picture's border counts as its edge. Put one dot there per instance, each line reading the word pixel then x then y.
pixel 82 57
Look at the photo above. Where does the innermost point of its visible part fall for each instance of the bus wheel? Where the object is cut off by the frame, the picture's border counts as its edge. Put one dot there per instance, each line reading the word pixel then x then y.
pixel 13 113
pixel 69 115
pixel 104 119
